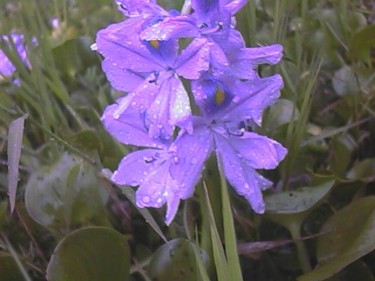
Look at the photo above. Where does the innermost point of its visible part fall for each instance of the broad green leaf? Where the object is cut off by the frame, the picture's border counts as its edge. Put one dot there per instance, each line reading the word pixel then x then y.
pixel 345 81
pixel 349 236
pixel 342 148
pixel 15 135
pixel 8 268
pixel 363 170
pixel 66 192
pixel 176 261
pixel 90 254
pixel 361 43
pixel 356 271
pixel 86 141
pixel 297 201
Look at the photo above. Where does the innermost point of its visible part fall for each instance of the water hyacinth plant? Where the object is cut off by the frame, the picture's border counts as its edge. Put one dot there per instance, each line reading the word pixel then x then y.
pixel 149 64
pixel 195 140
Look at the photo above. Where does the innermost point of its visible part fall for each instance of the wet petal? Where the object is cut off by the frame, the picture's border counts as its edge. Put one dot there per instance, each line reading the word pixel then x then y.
pixel 120 43
pixel 170 108
pixel 128 127
pixel 243 178
pixel 121 79
pixel 136 167
pixel 179 110
pixel 218 58
pixel 131 8
pixel 205 9
pixel 170 28
pixel 194 59
pixel 157 116
pixel 191 152
pixel 234 6
pixel 262 55
pixel 259 152
pixel 253 97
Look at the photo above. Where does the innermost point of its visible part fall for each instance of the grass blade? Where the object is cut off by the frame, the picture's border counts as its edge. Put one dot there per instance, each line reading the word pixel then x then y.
pixel 15 135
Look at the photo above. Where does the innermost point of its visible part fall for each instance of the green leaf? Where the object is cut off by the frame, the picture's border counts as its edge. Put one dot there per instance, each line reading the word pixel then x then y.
pixel 349 236
pixel 15 135
pixel 363 170
pixel 356 271
pixel 176 261
pixel 66 192
pixel 345 82
pixel 219 257
pixel 361 43
pixel 73 55
pixel 8 268
pixel 90 254
pixel 297 201
pixel 86 141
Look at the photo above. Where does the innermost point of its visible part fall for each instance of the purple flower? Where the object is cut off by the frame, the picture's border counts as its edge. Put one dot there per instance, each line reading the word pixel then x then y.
pixel 167 172
pixel 148 70
pixel 150 168
pixel 17 40
pixel 239 151
pixel 142 57
pixel 211 25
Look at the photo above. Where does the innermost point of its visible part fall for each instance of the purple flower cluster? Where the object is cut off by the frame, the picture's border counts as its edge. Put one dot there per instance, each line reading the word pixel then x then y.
pixel 6 66
pixel 155 56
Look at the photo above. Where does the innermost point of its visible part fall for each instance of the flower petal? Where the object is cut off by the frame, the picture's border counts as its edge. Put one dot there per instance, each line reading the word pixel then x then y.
pixel 149 168
pixel 243 178
pixel 234 6
pixel 259 152
pixel 252 98
pixel 191 154
pixel 170 108
pixel 205 9
pixel 136 167
pixel 121 79
pixel 120 43
pixel 128 127
pixel 194 59
pixel 131 8
pixel 179 109
pixel 171 28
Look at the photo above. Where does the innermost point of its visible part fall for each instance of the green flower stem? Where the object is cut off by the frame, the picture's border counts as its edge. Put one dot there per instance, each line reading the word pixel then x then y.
pixel 303 257
pixel 229 229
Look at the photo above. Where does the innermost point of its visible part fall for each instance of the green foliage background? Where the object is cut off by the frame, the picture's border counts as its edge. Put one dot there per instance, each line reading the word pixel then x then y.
pixel 69 221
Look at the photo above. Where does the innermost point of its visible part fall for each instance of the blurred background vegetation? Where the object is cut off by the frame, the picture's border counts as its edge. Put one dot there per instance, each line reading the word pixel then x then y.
pixel 70 223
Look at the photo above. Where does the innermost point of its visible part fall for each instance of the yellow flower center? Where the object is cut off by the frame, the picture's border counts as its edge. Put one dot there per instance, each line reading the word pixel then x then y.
pixel 155 43
pixel 219 96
